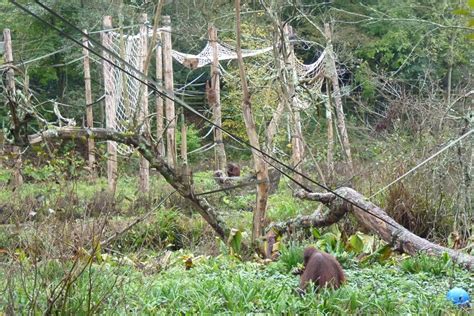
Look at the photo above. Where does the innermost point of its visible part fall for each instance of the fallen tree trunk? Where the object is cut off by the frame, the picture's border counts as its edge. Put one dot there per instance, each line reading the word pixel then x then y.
pixel 176 179
pixel 373 218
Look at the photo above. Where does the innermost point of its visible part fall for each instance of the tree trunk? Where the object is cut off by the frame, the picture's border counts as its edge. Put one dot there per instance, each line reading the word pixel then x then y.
pixel 11 92
pixel 341 120
pixel 371 217
pixel 184 140
pixel 159 100
pixel 143 121
pixel 109 108
pixel 215 90
pixel 169 103
pixel 290 82
pixel 89 112
pixel 273 125
pixel 330 132
pixel 259 164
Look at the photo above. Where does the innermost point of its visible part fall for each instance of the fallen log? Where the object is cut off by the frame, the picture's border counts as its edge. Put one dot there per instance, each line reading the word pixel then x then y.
pixel 371 217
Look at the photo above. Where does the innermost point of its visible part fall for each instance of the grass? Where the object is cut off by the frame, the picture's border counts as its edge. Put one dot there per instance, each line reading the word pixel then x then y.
pixel 217 285
pixel 131 279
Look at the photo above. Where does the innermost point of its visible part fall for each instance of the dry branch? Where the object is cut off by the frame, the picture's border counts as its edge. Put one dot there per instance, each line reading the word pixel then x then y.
pixel 373 218
pixel 150 153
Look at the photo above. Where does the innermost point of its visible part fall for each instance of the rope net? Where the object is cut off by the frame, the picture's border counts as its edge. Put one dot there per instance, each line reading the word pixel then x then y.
pixel 124 90
pixel 226 52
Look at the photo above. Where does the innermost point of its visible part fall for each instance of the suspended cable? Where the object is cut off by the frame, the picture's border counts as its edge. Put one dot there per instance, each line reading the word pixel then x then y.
pixel 42 57
pixel 203 148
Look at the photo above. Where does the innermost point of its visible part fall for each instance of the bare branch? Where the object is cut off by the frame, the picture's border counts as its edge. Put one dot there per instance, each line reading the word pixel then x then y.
pixel 177 181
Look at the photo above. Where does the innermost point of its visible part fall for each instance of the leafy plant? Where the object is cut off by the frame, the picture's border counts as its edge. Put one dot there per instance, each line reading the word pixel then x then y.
pixel 291 256
pixel 428 264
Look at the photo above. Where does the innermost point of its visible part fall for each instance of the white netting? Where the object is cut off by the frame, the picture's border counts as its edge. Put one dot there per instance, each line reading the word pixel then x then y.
pixel 224 52
pixel 313 69
pixel 125 90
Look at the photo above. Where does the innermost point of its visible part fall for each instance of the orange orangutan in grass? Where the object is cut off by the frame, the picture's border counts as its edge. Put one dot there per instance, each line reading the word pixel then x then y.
pixel 322 269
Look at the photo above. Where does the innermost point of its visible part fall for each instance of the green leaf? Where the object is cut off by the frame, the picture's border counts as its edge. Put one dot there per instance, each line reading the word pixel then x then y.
pixel 356 244
pixel 235 241
pixel 470 3
pixel 316 233
pixel 336 231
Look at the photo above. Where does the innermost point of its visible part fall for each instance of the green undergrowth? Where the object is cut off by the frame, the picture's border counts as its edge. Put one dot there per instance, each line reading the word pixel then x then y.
pixel 218 285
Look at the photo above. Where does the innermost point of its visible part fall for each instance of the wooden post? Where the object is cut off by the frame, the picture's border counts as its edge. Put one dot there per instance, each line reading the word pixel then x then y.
pixel 159 99
pixel 169 104
pixel 109 107
pixel 11 91
pixel 260 166
pixel 184 140
pixel 297 146
pixel 272 127
pixel 330 132
pixel 332 73
pixel 89 112
pixel 215 91
pixel 144 172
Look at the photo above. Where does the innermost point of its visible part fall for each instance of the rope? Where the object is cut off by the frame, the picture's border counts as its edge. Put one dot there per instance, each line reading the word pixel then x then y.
pixel 69 62
pixel 189 84
pixel 203 148
pixel 241 185
pixel 451 144
pixel 37 58
pixel 125 90
pixel 209 132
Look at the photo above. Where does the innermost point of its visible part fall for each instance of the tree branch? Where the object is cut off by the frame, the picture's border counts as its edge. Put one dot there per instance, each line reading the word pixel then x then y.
pixel 150 153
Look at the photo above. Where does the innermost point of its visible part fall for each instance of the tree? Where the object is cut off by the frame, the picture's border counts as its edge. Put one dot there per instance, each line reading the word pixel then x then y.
pixel 260 166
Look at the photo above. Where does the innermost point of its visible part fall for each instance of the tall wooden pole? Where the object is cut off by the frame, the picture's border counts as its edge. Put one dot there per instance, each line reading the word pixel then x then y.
pixel 261 169
pixel 169 87
pixel 330 132
pixel 159 99
pixel 272 127
pixel 144 172
pixel 184 140
pixel 11 91
pixel 109 107
pixel 89 113
pixel 332 73
pixel 297 146
pixel 221 160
